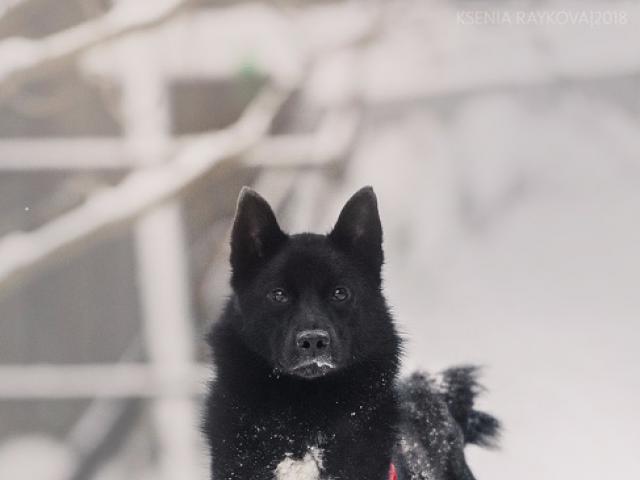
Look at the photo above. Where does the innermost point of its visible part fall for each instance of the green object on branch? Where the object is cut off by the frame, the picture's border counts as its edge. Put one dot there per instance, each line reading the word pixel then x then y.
pixel 250 68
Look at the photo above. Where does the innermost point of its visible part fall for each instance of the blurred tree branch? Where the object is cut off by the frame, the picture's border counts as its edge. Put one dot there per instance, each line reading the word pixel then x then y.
pixel 142 190
pixel 8 5
pixel 22 59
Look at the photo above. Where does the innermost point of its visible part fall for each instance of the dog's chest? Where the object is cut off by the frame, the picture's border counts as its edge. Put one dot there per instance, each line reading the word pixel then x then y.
pixel 296 450
pixel 301 452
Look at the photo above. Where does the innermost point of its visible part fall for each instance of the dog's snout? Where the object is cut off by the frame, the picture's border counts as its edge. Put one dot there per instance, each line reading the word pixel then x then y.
pixel 313 342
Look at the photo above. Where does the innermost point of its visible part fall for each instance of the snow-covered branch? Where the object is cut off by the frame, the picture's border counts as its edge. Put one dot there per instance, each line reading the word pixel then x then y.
pixel 22 253
pixel 22 58
pixel 7 5
pixel 124 380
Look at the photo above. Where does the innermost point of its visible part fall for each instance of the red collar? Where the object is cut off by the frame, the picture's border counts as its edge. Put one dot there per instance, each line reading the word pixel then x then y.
pixel 393 475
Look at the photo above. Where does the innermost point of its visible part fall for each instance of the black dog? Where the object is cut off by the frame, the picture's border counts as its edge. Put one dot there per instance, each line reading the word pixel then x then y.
pixel 307 357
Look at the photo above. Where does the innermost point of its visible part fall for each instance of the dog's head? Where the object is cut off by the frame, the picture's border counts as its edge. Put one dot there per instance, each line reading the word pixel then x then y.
pixel 311 304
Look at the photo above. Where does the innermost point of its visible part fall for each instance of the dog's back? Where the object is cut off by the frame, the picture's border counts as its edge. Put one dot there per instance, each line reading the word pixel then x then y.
pixel 437 420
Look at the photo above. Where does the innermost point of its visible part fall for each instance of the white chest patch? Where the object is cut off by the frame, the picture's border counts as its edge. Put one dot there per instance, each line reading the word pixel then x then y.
pixel 306 468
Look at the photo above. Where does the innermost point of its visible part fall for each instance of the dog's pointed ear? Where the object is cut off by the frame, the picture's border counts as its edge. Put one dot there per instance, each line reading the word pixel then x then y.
pixel 255 235
pixel 359 231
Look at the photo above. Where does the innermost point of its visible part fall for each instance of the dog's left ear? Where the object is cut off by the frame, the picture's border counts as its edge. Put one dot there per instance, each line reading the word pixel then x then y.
pixel 358 230
pixel 255 236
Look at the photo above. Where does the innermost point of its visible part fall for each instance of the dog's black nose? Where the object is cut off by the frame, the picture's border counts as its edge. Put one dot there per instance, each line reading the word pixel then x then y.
pixel 312 342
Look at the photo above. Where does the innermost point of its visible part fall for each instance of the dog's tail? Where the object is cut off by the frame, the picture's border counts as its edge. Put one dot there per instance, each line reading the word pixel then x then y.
pixel 459 387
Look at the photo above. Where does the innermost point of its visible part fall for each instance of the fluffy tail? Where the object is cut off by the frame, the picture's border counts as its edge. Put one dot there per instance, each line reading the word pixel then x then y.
pixel 459 388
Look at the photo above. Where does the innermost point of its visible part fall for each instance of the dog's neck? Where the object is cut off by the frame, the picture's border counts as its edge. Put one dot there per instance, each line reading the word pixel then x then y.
pixel 312 427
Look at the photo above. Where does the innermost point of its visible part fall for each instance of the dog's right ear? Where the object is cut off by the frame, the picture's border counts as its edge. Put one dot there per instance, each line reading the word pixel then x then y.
pixel 255 236
pixel 358 230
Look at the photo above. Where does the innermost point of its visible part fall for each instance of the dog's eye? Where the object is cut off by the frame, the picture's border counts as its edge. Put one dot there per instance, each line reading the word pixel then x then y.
pixel 278 295
pixel 340 294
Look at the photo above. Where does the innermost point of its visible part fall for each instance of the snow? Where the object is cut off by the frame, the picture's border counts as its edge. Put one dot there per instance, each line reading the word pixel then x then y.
pixel 35 456
pixel 318 362
pixel 307 468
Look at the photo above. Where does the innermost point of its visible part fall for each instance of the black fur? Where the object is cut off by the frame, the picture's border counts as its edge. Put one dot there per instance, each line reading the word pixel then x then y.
pixel 460 388
pixel 437 421
pixel 307 357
